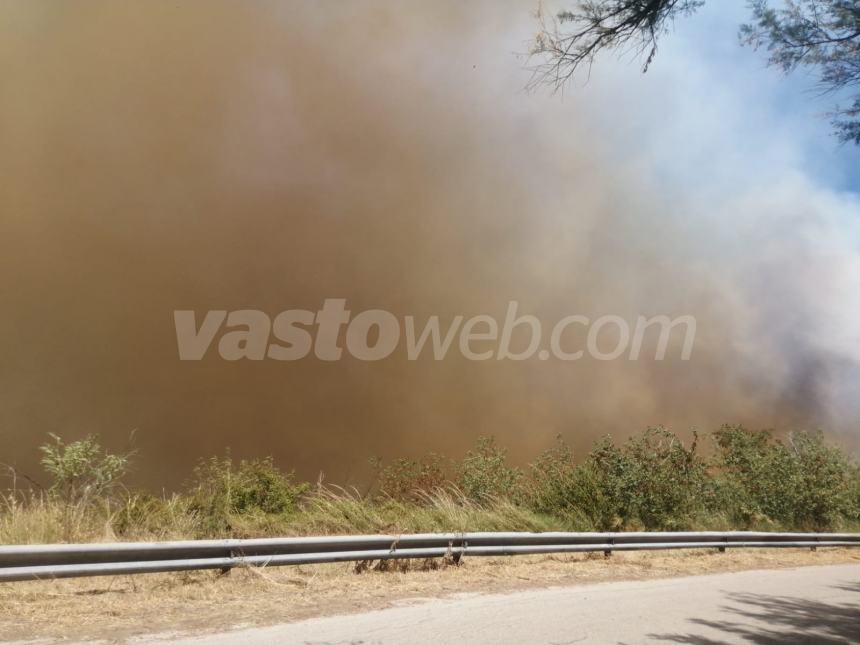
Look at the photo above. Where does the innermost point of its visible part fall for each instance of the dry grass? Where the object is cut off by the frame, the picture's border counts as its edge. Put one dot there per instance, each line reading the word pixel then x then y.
pixel 337 511
pixel 329 511
pixel 119 608
pixel 39 520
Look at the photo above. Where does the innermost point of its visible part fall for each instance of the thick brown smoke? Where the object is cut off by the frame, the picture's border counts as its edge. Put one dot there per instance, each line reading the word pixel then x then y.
pixel 159 155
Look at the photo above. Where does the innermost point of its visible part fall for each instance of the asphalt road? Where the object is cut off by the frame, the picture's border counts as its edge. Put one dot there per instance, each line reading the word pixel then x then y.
pixel 806 605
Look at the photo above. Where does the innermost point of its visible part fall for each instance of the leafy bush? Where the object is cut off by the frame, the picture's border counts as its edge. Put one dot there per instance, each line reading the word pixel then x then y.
pixel 803 483
pixel 853 514
pixel 669 488
pixel 554 480
pixel 822 488
pixel 221 490
pixel 81 471
pixel 485 474
pixel 653 481
pixel 558 487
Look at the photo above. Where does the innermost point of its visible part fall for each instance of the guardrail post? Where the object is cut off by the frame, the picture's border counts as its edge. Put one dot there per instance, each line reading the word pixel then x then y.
pixel 722 549
pixel 225 571
pixel 457 556
pixel 608 552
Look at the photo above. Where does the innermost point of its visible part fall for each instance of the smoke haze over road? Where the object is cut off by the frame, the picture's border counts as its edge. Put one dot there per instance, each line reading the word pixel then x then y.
pixel 160 156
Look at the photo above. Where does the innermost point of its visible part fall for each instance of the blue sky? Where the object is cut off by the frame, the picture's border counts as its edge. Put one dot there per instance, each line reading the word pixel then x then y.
pixel 792 101
pixel 710 111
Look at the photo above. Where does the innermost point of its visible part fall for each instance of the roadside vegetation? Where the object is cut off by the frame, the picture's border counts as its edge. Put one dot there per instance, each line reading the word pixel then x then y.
pixel 733 478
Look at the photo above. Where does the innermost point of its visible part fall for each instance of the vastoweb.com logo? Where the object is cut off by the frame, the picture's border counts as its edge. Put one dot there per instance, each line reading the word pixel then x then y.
pixel 376 334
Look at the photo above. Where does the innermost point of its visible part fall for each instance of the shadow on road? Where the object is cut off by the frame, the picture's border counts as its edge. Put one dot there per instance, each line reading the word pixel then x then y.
pixel 772 620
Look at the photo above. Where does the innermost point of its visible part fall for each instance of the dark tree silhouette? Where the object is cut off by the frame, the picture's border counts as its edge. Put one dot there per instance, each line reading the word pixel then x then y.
pixel 820 34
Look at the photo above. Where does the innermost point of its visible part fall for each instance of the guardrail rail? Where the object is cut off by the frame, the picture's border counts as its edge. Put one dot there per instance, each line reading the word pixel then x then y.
pixel 47 561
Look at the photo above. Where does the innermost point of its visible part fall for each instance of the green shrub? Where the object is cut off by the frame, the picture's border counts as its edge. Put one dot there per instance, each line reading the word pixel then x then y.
pixel 553 486
pixel 670 488
pixel 222 490
pixel 802 483
pixel 559 488
pixel 823 485
pixel 81 471
pixel 484 474
pixel 653 481
pixel 854 494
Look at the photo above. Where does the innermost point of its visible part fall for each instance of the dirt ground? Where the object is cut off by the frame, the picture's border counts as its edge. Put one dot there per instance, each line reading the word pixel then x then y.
pixel 118 608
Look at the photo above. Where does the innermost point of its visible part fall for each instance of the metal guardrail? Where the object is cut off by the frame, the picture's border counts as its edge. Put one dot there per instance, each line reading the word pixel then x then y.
pixel 47 561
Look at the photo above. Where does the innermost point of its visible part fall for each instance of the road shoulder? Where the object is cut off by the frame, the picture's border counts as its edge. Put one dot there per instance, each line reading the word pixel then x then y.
pixel 119 609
